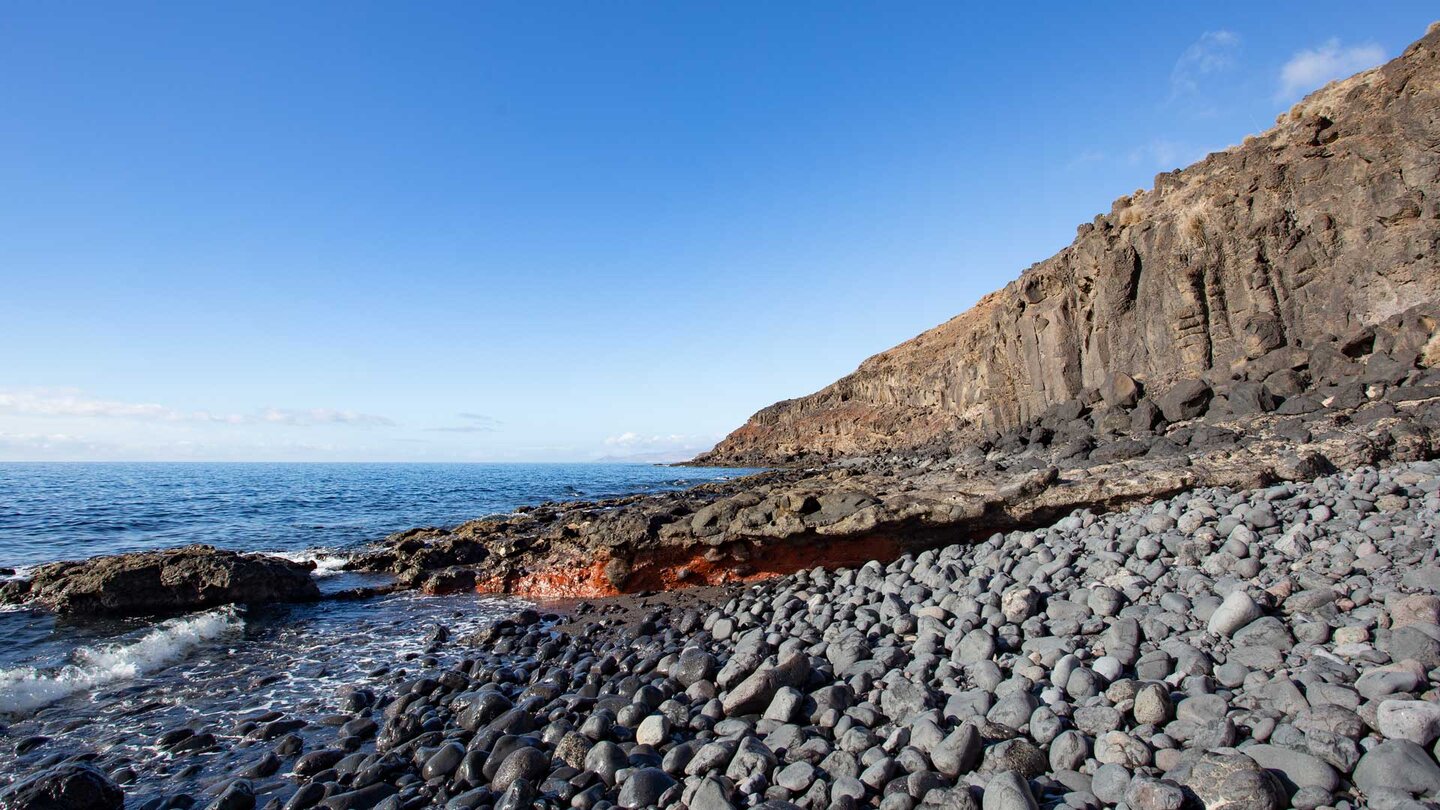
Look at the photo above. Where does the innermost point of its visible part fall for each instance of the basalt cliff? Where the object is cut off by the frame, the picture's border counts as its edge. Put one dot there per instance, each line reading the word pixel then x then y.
pixel 1251 263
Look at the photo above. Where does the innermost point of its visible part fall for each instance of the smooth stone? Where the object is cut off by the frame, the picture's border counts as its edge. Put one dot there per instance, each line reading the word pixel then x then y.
pixel 644 788
pixel 1415 720
pixel 1397 765
pixel 1299 769
pixel 1008 790
pixel 1237 610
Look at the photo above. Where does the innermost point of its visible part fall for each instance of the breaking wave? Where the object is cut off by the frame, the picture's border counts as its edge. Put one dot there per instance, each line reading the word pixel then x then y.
pixel 24 690
pixel 327 563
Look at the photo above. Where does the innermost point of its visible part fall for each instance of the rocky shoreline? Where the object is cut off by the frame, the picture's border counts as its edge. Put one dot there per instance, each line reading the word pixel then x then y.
pixel 1154 527
pixel 986 627
pixel 1257 648
pixel 1114 446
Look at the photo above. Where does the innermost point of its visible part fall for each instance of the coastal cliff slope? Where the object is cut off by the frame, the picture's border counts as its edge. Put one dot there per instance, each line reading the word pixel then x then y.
pixel 1253 259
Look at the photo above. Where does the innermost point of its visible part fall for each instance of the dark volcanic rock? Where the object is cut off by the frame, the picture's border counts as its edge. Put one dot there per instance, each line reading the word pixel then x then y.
pixel 64 787
pixel 1186 400
pixel 169 581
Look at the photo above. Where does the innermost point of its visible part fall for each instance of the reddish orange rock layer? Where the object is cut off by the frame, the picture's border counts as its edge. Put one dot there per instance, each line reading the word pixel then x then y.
pixel 690 568
pixel 557 583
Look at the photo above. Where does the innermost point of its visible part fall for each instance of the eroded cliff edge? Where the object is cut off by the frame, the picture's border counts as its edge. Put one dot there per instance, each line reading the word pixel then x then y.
pixel 1249 263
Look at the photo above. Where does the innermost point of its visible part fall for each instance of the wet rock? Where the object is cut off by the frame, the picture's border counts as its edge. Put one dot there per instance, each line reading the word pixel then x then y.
pixel 644 788
pixel 317 761
pixel 170 581
pixel 443 762
pixel 74 786
pixel 239 795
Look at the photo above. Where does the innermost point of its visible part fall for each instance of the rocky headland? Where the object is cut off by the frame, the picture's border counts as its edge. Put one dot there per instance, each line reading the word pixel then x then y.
pixel 1153 527
pixel 1249 267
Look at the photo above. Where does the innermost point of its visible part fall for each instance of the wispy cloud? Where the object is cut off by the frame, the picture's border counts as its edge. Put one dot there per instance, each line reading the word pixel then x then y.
pixel 322 416
pixel 625 439
pixel 478 423
pixel 44 443
pixel 1086 158
pixel 481 418
pixel 1212 54
pixel 1313 68
pixel 1166 154
pixel 71 403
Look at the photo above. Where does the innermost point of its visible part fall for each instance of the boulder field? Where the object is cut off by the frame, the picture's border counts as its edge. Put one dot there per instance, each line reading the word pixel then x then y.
pixel 1226 649
pixel 1262 648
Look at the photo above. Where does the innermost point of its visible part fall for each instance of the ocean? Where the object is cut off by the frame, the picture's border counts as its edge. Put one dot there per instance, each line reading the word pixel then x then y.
pixel 54 512
pixel 118 683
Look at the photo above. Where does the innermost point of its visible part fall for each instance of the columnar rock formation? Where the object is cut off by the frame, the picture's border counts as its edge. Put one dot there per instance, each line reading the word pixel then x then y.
pixel 1246 264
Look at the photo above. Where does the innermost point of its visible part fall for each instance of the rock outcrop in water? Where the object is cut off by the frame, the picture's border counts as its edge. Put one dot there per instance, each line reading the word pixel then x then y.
pixel 1245 269
pixel 167 581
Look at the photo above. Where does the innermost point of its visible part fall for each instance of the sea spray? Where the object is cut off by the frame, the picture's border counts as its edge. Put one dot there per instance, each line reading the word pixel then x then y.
pixel 327 563
pixel 24 690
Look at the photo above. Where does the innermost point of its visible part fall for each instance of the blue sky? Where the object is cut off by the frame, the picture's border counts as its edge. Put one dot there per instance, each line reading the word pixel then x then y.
pixel 562 231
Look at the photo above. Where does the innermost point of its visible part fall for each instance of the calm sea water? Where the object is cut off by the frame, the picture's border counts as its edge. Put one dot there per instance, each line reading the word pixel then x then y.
pixel 115 683
pixel 68 511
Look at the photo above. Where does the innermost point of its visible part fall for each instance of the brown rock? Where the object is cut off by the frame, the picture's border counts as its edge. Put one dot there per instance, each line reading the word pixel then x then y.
pixel 1120 390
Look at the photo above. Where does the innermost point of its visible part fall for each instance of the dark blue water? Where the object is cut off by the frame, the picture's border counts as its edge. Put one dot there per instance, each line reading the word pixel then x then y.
pixel 68 511
pixel 113 684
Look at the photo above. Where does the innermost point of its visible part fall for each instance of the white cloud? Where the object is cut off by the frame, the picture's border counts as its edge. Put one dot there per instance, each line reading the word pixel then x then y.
pixel 626 439
pixel 71 403
pixel 1310 69
pixel 1214 52
pixel 658 447
pixel 44 442
pixel 44 402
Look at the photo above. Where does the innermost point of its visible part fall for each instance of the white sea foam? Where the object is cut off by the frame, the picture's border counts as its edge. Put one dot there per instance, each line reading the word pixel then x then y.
pixel 21 572
pixel 24 690
pixel 327 563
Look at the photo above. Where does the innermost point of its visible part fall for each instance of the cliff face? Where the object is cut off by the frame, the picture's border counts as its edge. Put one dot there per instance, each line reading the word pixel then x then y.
pixel 1253 259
